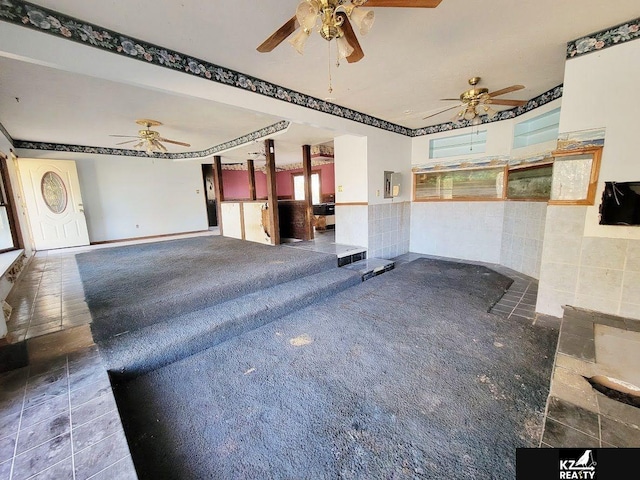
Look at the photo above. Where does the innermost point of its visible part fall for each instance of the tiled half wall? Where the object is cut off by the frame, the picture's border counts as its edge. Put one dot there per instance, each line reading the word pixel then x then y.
pixel 523 236
pixel 389 229
pixel 594 273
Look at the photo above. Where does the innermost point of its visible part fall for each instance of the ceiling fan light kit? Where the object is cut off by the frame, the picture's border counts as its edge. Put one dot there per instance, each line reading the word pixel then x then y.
pixel 477 101
pixel 326 13
pixel 148 139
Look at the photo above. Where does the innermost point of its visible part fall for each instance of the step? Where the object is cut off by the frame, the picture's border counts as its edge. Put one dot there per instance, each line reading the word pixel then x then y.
pixel 141 351
pixel 345 254
pixel 136 292
pixel 371 267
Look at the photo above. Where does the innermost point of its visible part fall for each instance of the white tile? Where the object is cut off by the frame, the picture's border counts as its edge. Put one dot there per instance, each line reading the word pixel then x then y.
pixel 631 287
pixel 559 276
pixel 601 282
pixel 550 301
pixel 604 252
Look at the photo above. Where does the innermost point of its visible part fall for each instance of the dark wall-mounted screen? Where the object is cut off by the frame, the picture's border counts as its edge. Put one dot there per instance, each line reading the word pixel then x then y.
pixel 620 204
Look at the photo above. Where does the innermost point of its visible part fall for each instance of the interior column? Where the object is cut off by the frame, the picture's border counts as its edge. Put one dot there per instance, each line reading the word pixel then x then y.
pixel 217 185
pixel 308 196
pixel 251 172
pixel 272 192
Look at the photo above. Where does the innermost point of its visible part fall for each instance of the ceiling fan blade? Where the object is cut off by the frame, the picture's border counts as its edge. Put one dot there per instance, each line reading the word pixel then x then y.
pixel 124 136
pixel 442 111
pixel 350 36
pixel 124 143
pixel 403 3
pixel 450 99
pixel 511 103
pixel 173 141
pixel 279 35
pixel 159 145
pixel 510 89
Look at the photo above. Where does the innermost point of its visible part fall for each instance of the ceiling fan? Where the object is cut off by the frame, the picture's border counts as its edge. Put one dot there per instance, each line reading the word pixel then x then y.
pixel 149 139
pixel 477 101
pixel 333 19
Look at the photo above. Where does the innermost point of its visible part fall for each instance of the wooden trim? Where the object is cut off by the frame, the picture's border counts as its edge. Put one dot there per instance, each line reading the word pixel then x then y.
pixel 308 198
pixel 504 168
pixel 351 204
pixel 12 213
pixel 596 153
pixel 272 192
pixel 242 228
pixel 530 165
pixel 505 181
pixel 461 199
pixel 545 200
pixel 252 179
pixel 103 242
pixel 570 202
pixel 219 188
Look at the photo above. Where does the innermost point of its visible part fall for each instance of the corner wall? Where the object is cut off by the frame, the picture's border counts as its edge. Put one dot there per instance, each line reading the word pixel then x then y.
pixel 585 264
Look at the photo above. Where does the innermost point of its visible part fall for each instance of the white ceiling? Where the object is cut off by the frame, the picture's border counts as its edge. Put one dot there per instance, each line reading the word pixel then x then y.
pixel 413 58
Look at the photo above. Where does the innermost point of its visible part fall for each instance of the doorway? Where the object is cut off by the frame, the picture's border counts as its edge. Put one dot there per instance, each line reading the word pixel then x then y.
pixel 210 194
pixel 54 203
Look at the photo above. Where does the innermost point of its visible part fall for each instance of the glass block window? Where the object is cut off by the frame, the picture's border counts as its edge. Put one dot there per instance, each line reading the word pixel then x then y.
pixel 468 143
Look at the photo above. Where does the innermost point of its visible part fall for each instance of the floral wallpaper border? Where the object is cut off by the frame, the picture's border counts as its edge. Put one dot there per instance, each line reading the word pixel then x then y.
pixel 248 138
pixel 45 20
pixel 532 104
pixel 604 39
pixel 48 21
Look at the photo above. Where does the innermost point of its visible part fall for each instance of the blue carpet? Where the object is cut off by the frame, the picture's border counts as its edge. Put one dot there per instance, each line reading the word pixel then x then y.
pixel 403 376
pixel 131 287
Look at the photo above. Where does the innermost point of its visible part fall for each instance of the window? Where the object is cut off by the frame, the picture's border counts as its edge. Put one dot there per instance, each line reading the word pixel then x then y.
pixel 530 182
pixel 472 142
pixel 298 187
pixel 575 176
pixel 9 237
pixel 463 184
pixel 540 129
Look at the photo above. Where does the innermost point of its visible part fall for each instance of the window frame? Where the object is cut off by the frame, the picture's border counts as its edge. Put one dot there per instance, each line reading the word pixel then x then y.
pixel 501 198
pixel 301 174
pixel 596 157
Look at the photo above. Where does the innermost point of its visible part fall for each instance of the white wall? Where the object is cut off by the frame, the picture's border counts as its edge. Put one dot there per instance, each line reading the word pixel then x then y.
pixel 467 230
pixel 585 264
pixel 128 197
pixel 494 232
pixel 159 196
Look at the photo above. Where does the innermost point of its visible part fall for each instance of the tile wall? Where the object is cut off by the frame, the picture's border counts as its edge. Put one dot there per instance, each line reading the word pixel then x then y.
pixel 594 273
pixel 466 230
pixel 523 236
pixel 389 226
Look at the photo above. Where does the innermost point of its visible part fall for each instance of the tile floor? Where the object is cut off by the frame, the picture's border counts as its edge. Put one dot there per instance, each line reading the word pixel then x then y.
pixel 58 417
pixel 577 414
pixel 58 420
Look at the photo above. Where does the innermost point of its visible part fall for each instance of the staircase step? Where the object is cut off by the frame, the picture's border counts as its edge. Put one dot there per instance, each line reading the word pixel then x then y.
pixel 135 353
pixel 371 267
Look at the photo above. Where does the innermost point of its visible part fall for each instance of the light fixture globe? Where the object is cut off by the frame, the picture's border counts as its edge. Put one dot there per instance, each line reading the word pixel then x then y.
pixel 307 14
pixel 299 39
pixel 363 19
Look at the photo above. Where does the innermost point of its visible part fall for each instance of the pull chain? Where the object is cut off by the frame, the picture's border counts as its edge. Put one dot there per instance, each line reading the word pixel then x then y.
pixel 329 49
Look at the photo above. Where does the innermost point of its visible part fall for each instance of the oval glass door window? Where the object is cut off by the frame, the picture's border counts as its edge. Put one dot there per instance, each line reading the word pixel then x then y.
pixel 54 193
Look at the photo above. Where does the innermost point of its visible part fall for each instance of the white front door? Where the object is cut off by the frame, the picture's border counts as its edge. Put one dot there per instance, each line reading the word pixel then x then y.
pixel 54 204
